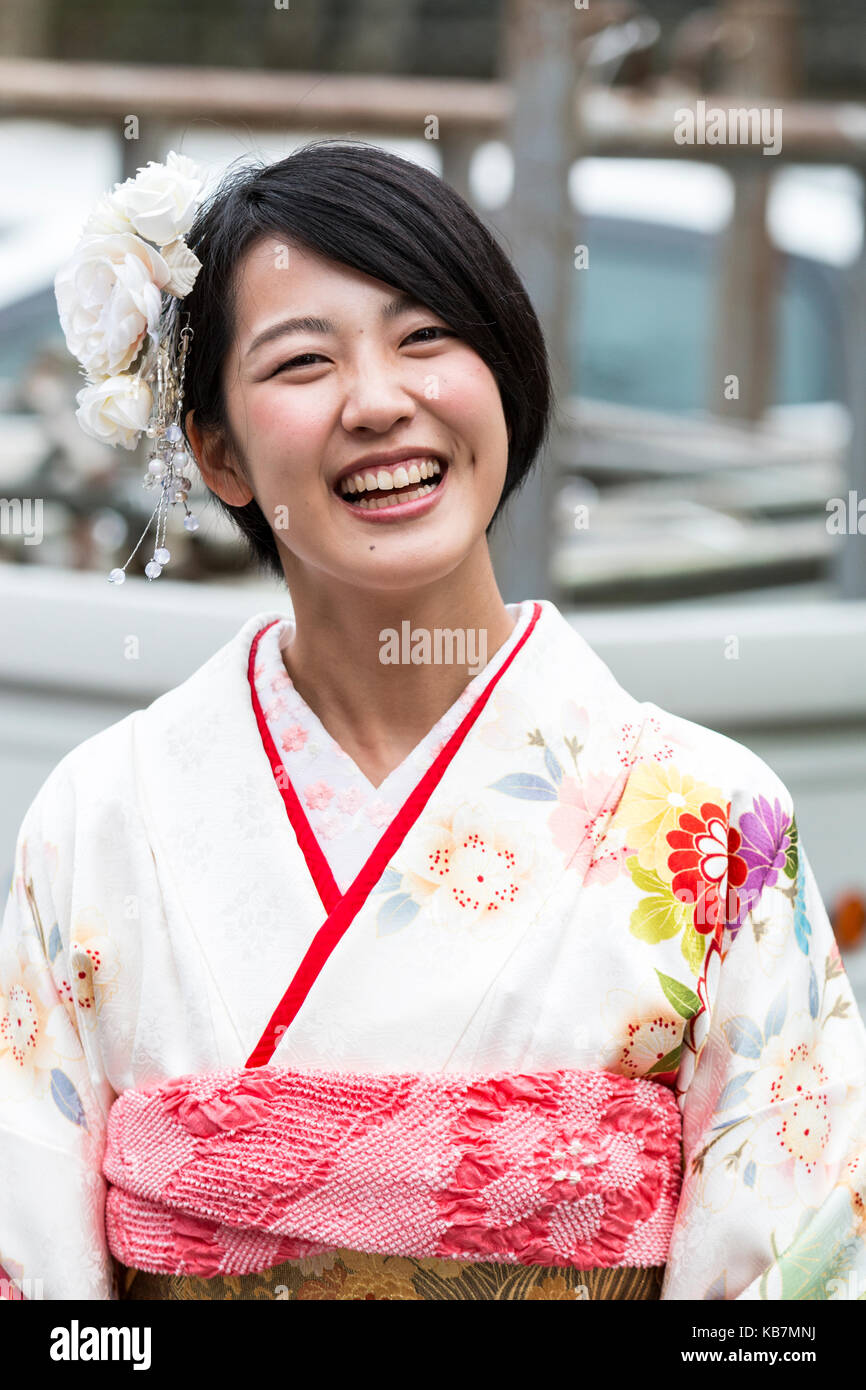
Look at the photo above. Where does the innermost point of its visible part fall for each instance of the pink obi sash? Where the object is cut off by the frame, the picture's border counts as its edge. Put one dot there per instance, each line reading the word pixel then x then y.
pixel 232 1172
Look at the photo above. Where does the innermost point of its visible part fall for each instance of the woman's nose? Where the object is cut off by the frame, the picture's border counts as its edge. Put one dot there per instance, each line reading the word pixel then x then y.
pixel 376 398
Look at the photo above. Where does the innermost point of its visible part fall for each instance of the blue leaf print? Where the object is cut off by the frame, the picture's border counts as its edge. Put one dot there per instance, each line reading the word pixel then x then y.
pixel 526 786
pixel 743 1036
pixel 390 880
pixel 54 942
pixel 813 992
pixel 802 925
pixel 735 1091
pixel 776 1014
pixel 67 1098
pixel 395 914
pixel 552 764
pixel 749 1173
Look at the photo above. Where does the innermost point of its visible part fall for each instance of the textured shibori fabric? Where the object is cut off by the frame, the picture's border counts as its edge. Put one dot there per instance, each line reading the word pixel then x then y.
pixel 234 1171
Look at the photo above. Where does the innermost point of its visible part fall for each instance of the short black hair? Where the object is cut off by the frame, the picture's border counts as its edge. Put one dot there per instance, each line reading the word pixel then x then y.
pixel 394 220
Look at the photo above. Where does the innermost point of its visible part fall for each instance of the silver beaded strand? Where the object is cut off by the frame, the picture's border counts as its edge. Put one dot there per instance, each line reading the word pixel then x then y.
pixel 167 462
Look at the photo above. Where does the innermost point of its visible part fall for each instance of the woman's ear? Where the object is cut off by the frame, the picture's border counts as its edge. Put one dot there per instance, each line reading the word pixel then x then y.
pixel 216 463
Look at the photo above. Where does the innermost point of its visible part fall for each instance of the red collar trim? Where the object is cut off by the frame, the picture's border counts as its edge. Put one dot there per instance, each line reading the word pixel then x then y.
pixel 343 908
pixel 320 870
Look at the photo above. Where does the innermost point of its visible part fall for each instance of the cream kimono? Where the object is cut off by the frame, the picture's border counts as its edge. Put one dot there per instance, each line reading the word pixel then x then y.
pixel 576 880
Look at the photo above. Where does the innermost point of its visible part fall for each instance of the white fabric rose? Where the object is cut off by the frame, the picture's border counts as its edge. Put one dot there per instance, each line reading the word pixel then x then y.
pixel 161 200
pixel 116 410
pixel 108 295
pixel 106 218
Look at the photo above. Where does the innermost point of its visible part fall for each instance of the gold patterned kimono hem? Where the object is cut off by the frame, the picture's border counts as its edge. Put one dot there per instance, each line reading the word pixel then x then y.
pixel 351 1275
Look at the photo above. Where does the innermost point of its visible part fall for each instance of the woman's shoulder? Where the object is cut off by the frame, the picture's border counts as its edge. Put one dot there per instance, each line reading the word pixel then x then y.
pixel 656 745
pixel 104 765
pixel 708 758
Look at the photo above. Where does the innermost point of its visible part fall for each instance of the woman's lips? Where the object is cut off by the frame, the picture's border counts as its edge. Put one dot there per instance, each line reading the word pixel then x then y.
pixel 399 511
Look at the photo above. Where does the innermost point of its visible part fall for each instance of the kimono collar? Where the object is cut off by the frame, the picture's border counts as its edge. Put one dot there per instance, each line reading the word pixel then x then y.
pixel 238 870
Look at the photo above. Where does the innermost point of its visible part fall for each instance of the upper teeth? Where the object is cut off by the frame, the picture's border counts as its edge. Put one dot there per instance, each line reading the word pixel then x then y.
pixel 386 478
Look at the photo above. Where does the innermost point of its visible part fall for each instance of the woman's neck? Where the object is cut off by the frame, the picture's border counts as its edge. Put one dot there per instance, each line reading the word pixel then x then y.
pixel 351 658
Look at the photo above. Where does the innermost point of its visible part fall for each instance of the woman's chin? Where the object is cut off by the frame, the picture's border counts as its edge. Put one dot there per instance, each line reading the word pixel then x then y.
pixel 391 564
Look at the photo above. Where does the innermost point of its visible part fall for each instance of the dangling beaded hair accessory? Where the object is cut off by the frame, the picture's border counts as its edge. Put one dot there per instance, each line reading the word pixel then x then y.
pixel 166 464
pixel 119 298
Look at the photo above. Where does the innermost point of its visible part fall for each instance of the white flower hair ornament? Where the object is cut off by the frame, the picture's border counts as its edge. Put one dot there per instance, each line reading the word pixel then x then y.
pixel 119 298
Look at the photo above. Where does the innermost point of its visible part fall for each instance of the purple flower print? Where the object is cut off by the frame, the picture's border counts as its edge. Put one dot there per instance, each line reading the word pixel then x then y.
pixel 766 838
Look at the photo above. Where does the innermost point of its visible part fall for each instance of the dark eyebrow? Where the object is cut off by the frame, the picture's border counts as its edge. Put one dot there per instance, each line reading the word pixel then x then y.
pixel 400 304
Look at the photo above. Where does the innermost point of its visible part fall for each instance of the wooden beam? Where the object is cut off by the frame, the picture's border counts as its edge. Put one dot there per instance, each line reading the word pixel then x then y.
pixel 612 122
pixel 301 99
pixel 622 122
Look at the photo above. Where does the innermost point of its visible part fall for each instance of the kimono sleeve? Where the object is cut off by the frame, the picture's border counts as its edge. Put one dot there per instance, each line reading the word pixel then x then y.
pixel 772 1096
pixel 52 1115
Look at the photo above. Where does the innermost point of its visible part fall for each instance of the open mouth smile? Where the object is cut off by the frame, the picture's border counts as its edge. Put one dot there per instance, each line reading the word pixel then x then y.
pixel 401 489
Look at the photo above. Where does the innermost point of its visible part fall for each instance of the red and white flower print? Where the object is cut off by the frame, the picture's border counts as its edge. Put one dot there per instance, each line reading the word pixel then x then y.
pixel 704 864
pixel 473 870
pixel 35 1035
pixel 793 1094
pixel 94 964
pixel 642 1030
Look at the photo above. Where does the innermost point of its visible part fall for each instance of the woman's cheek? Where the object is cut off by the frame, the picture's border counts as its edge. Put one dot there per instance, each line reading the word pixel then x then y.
pixel 297 423
pixel 467 388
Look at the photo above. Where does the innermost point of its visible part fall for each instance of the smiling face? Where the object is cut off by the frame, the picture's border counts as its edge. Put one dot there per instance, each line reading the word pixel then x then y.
pixel 341 395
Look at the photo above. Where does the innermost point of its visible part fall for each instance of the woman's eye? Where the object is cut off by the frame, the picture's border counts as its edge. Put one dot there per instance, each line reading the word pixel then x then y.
pixel 306 359
pixel 309 359
pixel 432 328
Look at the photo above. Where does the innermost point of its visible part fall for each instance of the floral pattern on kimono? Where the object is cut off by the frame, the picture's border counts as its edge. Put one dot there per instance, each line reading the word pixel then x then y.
pixel 595 882
pixel 347 812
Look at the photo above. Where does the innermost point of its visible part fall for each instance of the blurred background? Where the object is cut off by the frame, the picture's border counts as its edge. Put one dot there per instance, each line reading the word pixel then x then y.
pixel 700 515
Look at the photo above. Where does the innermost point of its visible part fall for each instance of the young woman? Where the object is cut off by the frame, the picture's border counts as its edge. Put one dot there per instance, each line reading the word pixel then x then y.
pixel 399 952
